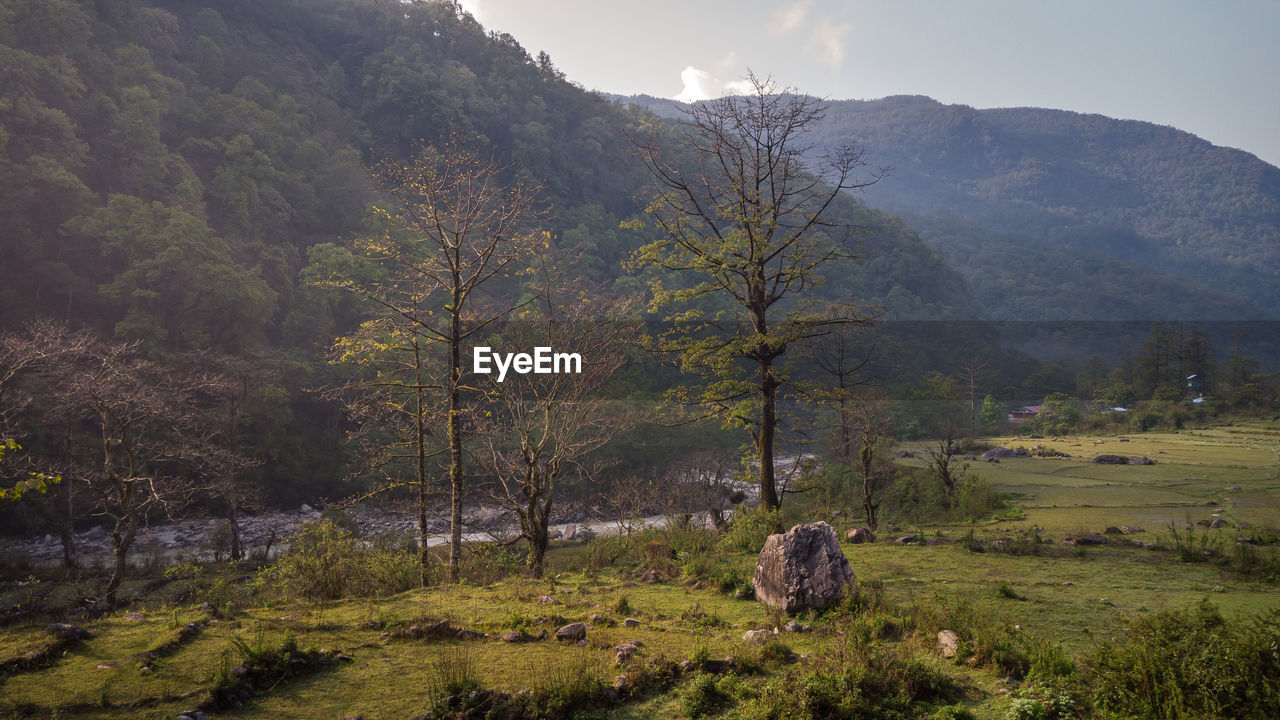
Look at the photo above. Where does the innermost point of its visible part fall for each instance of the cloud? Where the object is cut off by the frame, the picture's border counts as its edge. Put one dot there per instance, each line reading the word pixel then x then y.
pixel 788 18
pixel 828 42
pixel 702 85
pixel 698 85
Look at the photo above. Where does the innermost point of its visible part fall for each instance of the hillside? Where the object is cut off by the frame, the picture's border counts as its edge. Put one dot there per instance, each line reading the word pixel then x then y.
pixel 1078 216
pixel 167 170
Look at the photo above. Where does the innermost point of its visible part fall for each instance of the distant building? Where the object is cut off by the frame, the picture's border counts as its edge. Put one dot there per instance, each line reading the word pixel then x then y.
pixel 1195 385
pixel 1024 413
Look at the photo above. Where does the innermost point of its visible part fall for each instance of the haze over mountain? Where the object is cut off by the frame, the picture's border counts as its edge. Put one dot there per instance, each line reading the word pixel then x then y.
pixel 1057 215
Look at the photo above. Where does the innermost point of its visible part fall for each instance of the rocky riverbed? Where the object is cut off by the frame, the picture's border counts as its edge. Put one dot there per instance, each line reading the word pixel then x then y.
pixel 267 535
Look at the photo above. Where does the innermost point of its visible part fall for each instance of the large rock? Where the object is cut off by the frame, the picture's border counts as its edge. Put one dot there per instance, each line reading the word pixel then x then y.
pixel 572 631
pixel 859 535
pixel 1111 460
pixel 801 569
pixel 997 453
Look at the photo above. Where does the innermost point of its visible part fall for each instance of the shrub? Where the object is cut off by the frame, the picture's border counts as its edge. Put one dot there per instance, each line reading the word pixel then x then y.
pixel 702 697
pixel 325 562
pixel 978 498
pixel 1190 663
pixel 750 528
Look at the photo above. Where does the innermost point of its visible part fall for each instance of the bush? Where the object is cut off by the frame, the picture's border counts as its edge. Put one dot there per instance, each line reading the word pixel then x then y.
pixel 1190 663
pixel 325 562
pixel 978 498
pixel 750 528
pixel 702 697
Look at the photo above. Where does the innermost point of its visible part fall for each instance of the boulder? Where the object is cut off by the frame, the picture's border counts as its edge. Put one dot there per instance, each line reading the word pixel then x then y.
pixel 1112 530
pixel 908 539
pixel 859 535
pixel 572 631
pixel 1091 539
pixel 997 453
pixel 624 652
pixel 948 643
pixel 1141 460
pixel 904 454
pixel 1131 529
pixel 801 569
pixel 630 622
pixel 1111 460
pixel 63 631
pixel 757 637
pixel 1219 523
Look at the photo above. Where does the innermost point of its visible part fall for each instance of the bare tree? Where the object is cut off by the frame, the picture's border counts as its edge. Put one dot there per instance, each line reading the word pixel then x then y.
pixel 970 373
pixel 144 434
pixel 544 426
pixel 455 226
pixel 745 214
pixel 869 425
pixel 231 383
pixel 24 355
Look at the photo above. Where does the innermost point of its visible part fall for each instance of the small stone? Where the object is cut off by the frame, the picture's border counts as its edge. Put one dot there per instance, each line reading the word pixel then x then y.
pixel 631 622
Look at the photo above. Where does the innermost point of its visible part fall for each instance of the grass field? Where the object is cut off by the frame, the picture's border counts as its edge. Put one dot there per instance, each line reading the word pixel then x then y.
pixel 1076 598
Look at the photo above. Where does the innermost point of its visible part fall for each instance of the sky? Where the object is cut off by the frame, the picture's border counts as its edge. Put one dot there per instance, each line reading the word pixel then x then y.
pixel 1210 67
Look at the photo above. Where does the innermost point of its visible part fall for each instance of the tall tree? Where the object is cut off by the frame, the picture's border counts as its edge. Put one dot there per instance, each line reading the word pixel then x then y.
pixel 744 216
pixel 457 226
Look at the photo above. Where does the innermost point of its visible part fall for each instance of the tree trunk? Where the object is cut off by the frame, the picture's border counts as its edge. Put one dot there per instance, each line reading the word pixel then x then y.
pixel 764 440
pixel 455 448
pixel 66 531
pixel 424 553
pixel 121 540
pixel 233 518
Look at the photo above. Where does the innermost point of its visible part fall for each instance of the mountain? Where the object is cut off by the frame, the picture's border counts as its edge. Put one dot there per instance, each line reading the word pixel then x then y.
pixel 168 167
pixel 1059 215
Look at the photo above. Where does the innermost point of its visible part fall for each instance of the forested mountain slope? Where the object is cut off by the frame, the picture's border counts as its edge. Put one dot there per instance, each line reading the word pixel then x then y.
pixel 1080 216
pixel 168 166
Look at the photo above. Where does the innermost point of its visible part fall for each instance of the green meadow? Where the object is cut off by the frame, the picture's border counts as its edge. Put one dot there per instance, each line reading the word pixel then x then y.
pixel 1017 589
